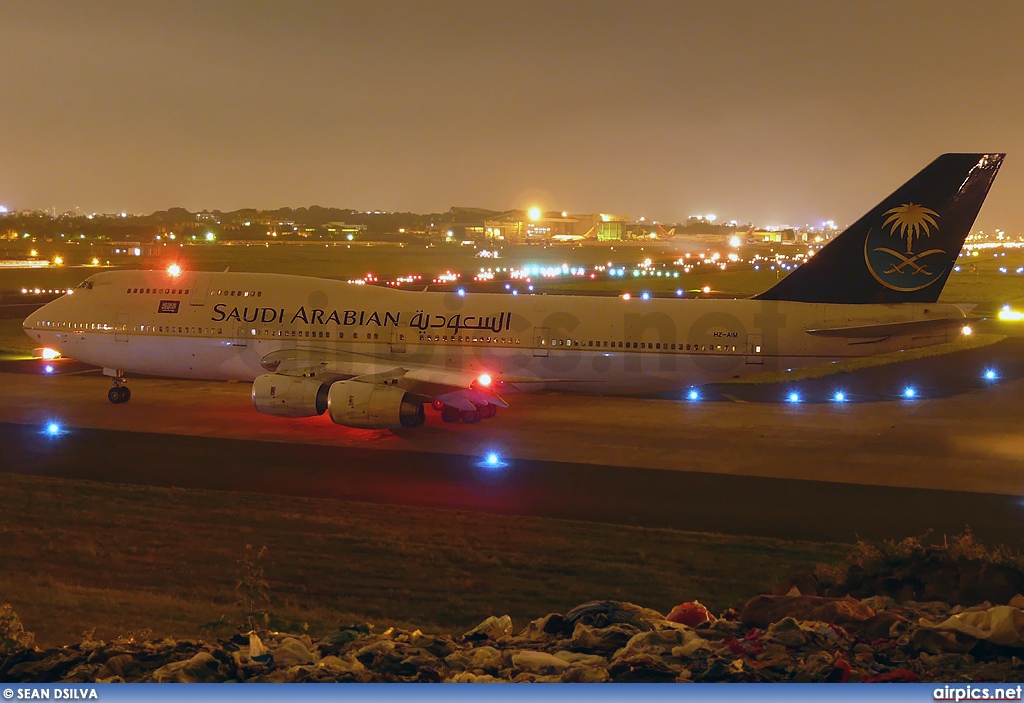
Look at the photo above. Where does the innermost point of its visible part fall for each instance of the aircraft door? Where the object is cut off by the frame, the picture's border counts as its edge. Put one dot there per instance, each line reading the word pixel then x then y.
pixel 541 341
pixel 241 337
pixel 121 327
pixel 397 342
pixel 200 289
pixel 755 349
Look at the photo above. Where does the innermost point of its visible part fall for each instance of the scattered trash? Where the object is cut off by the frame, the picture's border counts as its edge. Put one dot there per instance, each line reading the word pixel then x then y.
pixel 1002 625
pixel 762 611
pixel 691 613
pixel 793 638
pixel 492 628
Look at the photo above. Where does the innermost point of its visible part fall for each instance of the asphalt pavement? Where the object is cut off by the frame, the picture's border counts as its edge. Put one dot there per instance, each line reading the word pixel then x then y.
pixel 740 505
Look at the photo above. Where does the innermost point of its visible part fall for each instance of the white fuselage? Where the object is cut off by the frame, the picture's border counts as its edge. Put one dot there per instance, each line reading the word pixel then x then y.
pixel 221 325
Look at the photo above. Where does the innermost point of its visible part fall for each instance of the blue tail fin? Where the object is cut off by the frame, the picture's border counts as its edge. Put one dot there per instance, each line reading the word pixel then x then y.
pixel 903 250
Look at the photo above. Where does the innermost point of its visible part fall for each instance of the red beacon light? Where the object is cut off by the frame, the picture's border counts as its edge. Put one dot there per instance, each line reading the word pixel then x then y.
pixel 484 380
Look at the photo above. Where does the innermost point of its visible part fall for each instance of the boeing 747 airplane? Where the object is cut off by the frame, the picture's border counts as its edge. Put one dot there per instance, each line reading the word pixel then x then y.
pixel 373 357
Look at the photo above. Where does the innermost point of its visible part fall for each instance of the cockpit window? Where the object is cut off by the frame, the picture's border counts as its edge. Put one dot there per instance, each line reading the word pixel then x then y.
pixel 86 285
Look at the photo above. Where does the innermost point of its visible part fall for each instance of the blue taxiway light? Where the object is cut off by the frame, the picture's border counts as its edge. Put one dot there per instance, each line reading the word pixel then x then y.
pixel 839 397
pixel 645 296
pixel 461 292
pixel 52 429
pixel 909 392
pixel 693 395
pixel 794 397
pixel 991 375
pixel 492 460
pixel 48 368
pixel 679 291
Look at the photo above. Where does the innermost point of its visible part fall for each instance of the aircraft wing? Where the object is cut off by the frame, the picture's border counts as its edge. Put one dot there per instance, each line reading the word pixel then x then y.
pixel 887 329
pixel 459 389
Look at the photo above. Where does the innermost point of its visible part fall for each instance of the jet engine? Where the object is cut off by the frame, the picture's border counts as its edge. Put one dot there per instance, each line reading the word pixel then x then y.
pixel 289 396
pixel 373 406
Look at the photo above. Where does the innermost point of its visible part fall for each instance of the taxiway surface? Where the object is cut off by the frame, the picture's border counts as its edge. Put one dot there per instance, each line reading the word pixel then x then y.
pixel 803 471
pixel 969 442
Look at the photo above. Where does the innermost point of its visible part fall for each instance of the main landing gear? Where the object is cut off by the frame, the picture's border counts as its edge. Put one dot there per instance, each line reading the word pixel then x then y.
pixel 468 417
pixel 119 392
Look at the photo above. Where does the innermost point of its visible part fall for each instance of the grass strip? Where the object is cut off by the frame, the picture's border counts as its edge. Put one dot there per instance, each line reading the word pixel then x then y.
pixel 80 555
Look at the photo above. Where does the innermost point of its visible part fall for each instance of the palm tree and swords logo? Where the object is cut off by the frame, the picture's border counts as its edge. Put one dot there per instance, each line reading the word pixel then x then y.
pixel 903 270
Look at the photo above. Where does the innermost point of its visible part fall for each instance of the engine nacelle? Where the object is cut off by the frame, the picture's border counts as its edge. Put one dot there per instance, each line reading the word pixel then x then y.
pixel 373 406
pixel 289 396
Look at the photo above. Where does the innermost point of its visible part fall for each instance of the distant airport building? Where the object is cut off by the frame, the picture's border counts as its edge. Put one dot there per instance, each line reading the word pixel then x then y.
pixel 783 236
pixel 536 225
pixel 126 248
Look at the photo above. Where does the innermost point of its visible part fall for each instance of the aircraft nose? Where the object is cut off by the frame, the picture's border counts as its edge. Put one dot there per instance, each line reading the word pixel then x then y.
pixel 31 323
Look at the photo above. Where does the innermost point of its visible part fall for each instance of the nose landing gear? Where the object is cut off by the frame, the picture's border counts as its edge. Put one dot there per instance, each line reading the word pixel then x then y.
pixel 119 392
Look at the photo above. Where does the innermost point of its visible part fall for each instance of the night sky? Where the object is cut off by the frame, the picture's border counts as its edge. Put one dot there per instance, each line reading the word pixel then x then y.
pixel 774 112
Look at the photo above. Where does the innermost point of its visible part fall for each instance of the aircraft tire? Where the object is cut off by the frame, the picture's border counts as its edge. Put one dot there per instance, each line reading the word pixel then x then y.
pixel 450 414
pixel 470 416
pixel 114 395
pixel 126 394
pixel 488 411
